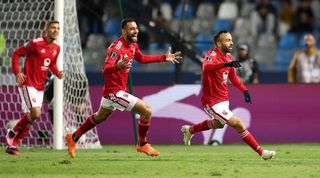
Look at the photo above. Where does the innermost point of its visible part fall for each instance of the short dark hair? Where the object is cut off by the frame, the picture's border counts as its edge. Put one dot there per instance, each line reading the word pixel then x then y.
pixel 125 21
pixel 217 35
pixel 52 22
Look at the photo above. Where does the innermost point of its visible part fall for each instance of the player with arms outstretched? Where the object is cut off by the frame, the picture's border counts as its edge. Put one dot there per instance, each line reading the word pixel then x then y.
pixel 41 57
pixel 119 57
pixel 219 66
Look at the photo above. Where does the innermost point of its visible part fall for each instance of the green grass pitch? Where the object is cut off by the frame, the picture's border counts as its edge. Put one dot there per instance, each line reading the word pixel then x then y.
pixel 234 161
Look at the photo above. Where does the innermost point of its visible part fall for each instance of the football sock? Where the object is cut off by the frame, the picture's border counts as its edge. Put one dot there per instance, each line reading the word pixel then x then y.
pixel 88 124
pixel 22 128
pixel 143 127
pixel 24 120
pixel 247 137
pixel 205 125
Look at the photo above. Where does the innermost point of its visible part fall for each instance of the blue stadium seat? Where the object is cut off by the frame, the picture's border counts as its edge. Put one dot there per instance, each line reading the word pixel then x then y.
pixel 203 42
pixel 188 15
pixel 282 59
pixel 222 24
pixel 288 41
pixel 112 27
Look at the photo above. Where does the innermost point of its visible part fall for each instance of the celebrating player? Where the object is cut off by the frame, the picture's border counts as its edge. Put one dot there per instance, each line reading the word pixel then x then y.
pixel 41 56
pixel 219 66
pixel 119 58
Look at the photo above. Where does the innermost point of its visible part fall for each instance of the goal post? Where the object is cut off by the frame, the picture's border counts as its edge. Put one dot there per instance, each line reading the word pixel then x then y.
pixel 58 84
pixel 22 20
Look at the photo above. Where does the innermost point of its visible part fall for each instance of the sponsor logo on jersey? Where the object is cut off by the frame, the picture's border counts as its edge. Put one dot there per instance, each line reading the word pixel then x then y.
pixel 46 63
pixel 225 77
pixel 118 46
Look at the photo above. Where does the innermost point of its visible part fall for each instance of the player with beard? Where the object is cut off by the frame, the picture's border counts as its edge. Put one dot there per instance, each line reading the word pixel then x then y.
pixel 41 57
pixel 119 57
pixel 219 66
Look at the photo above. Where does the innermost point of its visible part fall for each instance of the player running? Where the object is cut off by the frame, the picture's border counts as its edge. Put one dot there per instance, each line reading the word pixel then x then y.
pixel 219 66
pixel 119 57
pixel 41 56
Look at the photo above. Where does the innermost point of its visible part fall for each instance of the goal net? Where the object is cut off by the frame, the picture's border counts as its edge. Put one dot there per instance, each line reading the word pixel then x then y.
pixel 22 20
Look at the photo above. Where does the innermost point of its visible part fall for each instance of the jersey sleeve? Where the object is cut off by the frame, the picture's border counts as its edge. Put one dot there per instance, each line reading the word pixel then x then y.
pixel 110 63
pixel 234 79
pixel 144 59
pixel 209 63
pixel 23 50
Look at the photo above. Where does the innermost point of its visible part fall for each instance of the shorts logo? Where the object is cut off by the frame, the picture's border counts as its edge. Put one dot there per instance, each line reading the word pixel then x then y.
pixel 125 95
pixel 224 113
pixel 34 100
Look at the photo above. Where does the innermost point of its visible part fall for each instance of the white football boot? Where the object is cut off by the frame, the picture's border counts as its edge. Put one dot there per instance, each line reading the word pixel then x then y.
pixel 187 136
pixel 267 154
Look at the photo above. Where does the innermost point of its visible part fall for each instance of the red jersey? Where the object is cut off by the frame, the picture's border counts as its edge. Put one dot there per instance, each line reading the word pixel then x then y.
pixel 40 58
pixel 215 77
pixel 115 79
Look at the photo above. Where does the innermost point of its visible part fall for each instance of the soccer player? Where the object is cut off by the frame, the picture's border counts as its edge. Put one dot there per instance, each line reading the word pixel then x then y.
pixel 41 56
pixel 219 66
pixel 119 57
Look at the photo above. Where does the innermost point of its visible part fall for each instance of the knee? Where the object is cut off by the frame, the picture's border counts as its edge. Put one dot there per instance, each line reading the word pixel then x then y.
pixel 146 114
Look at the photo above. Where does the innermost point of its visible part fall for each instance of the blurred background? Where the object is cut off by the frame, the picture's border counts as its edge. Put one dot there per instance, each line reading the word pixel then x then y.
pixel 272 30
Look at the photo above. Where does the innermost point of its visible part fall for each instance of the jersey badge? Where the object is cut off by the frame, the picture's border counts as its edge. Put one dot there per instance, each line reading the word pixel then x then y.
pixel 208 58
pixel 112 54
pixel 43 51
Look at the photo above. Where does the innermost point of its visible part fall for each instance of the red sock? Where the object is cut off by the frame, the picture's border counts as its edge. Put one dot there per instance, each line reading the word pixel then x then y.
pixel 143 127
pixel 88 124
pixel 21 135
pixel 24 121
pixel 205 125
pixel 22 128
pixel 247 137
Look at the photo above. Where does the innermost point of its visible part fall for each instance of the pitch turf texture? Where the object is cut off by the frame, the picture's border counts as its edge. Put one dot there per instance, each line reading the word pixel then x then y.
pixel 293 161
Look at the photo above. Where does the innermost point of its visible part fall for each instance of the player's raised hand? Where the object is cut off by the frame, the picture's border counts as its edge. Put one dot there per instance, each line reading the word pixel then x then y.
pixel 173 58
pixel 20 78
pixel 123 62
pixel 60 75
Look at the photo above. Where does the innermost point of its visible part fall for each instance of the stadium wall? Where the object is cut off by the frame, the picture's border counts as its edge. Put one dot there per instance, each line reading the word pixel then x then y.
pixel 280 113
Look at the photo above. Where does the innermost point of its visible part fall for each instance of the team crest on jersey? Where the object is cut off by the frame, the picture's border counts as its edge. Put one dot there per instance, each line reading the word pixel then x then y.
pixel 43 51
